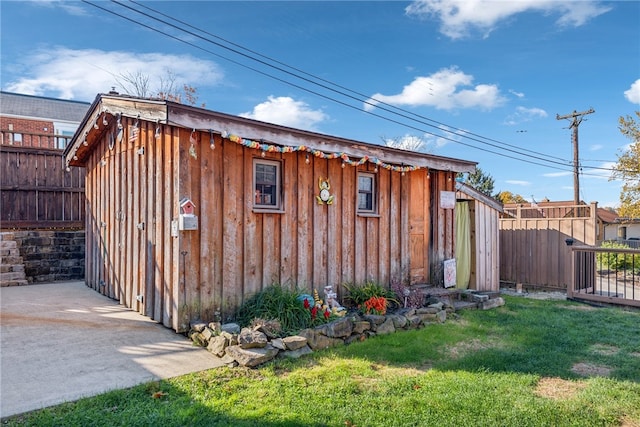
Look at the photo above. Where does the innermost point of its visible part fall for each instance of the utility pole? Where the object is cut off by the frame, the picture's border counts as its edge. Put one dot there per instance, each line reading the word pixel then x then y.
pixel 576 119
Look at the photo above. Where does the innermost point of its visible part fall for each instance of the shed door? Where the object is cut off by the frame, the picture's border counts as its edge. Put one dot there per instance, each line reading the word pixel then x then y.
pixel 418 227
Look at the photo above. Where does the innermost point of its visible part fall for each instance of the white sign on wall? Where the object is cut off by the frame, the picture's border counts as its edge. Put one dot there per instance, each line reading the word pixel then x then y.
pixel 449 272
pixel 447 199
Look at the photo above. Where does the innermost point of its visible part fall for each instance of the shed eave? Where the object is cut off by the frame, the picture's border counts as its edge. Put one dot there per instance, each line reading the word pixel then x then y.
pixel 269 133
pixel 77 152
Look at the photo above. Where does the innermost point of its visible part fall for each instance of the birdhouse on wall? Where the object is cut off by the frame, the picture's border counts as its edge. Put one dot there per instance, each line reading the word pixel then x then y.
pixel 187 219
pixel 187 207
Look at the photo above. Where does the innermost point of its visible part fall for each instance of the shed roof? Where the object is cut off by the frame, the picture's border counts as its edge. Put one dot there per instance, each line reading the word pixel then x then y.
pixel 245 129
pixel 477 195
pixel 42 108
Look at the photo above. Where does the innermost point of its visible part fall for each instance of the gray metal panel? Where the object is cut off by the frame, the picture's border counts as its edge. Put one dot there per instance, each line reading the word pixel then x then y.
pixel 38 107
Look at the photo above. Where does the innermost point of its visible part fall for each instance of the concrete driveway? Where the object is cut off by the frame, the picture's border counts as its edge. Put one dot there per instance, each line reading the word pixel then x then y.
pixel 64 341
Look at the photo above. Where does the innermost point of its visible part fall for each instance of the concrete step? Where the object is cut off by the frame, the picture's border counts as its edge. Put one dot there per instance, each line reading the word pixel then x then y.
pixel 7 235
pixel 16 282
pixel 9 252
pixel 13 275
pixel 8 244
pixel 11 260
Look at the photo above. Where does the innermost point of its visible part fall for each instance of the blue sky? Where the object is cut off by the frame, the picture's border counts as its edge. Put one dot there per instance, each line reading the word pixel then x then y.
pixel 476 80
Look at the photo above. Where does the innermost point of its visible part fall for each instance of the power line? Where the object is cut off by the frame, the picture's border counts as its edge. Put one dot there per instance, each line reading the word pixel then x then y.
pixel 400 112
pixel 298 70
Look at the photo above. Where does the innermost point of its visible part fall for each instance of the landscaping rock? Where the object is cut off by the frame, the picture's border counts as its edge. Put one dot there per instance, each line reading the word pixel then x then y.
pixel 232 328
pixel 374 319
pixel 295 342
pixel 252 339
pixel 492 303
pixel 341 328
pixel 252 347
pixel 360 326
pixel 278 343
pixel 198 327
pixel 294 354
pixel 217 345
pixel 318 341
pixel 385 327
pixel 399 322
pixel 251 357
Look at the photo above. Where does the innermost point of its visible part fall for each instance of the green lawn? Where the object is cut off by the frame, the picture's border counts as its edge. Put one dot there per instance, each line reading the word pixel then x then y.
pixel 528 363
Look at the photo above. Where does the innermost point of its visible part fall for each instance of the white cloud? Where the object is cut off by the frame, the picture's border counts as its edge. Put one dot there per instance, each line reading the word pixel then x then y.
pixel 71 7
pixel 633 94
pixel 81 74
pixel 556 174
pixel 604 171
pixel 522 115
pixel 446 89
pixel 517 94
pixel 516 182
pixel 596 147
pixel 286 111
pixel 459 17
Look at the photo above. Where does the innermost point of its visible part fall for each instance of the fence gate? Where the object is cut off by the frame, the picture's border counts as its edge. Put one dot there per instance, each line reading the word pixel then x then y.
pixel 535 243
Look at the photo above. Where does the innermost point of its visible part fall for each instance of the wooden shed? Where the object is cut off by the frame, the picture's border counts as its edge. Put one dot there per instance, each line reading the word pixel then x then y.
pixel 189 211
pixel 481 233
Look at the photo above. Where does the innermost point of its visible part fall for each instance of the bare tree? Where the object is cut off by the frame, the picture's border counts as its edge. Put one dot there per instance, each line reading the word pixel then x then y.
pixel 138 84
pixel 407 142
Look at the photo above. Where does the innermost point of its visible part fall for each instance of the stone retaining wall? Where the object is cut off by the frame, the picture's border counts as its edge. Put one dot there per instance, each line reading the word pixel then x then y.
pixel 50 255
pixel 252 347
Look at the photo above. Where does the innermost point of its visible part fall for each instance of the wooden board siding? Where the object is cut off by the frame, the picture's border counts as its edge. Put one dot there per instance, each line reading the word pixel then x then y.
pixel 533 250
pixel 134 192
pixel 237 251
pixel 485 265
pixel 36 190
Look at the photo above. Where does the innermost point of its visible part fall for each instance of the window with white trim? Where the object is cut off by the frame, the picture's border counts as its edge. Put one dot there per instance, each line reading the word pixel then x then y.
pixel 366 192
pixel 266 184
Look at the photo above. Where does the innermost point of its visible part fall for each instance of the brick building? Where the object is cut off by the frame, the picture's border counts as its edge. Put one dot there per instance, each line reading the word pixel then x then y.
pixel 41 203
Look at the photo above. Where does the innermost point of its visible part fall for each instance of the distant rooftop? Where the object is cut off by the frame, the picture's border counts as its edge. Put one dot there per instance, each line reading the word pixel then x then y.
pixel 40 107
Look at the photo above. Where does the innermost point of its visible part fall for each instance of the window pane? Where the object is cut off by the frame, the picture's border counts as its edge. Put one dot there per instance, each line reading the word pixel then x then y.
pixel 365 183
pixel 366 194
pixel 266 184
pixel 365 202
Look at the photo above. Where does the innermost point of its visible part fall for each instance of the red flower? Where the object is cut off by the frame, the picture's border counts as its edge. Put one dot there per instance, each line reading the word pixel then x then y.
pixel 327 314
pixel 314 312
pixel 306 303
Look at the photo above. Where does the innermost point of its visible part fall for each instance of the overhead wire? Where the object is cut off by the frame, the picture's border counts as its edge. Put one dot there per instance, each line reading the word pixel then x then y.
pixel 386 107
pixel 344 88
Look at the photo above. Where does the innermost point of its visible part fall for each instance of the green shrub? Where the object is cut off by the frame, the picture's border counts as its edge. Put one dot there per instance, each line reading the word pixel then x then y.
pixel 278 305
pixel 617 261
pixel 358 294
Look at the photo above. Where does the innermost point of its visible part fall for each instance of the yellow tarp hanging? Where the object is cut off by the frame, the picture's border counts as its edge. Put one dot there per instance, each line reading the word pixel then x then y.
pixel 463 245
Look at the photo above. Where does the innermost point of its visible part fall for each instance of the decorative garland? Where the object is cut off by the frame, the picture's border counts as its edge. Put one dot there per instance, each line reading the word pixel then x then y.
pixel 265 148
pixel 346 160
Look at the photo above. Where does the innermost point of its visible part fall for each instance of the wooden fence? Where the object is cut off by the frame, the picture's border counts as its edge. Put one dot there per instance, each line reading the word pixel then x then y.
pixel 36 190
pixel 535 243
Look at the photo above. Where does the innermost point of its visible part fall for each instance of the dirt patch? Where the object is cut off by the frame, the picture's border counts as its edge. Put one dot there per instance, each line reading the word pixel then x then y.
pixel 591 370
pixel 628 422
pixel 604 350
pixel 463 348
pixel 558 389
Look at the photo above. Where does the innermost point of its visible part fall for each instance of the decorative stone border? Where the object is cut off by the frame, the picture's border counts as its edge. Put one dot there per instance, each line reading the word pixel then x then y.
pixel 252 347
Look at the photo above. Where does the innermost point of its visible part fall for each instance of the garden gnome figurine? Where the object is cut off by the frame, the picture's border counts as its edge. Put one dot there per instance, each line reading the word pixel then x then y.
pixel 331 298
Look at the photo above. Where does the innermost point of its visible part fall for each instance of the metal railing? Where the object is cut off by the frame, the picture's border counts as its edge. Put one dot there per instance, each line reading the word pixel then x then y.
pixel 34 140
pixel 606 275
